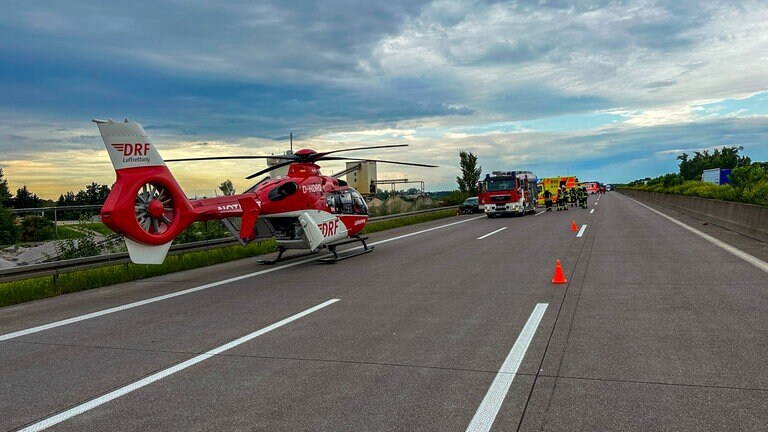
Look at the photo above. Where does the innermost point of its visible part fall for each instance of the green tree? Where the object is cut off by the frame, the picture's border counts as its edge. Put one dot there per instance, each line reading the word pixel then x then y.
pixel 456 197
pixel 383 194
pixel 8 230
pixel 470 173
pixel 227 188
pixel 93 194
pixel 748 176
pixel 726 158
pixel 5 192
pixel 26 199
pixel 67 199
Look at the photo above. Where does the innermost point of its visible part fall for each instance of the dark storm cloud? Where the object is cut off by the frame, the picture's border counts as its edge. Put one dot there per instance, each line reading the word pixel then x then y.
pixel 235 72
pixel 236 37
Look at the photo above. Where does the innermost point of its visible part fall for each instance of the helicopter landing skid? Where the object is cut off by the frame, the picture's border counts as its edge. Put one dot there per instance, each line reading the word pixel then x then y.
pixel 336 257
pixel 280 257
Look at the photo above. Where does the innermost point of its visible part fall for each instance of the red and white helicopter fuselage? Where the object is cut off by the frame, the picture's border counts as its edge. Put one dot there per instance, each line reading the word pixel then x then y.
pixel 304 209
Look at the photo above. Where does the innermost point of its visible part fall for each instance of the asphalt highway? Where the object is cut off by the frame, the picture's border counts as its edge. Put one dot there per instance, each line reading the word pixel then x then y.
pixel 452 325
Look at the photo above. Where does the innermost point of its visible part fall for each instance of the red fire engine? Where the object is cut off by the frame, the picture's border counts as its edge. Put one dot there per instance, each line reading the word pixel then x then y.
pixel 507 192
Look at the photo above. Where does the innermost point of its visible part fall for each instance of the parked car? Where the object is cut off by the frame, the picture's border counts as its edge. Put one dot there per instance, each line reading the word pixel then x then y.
pixel 469 206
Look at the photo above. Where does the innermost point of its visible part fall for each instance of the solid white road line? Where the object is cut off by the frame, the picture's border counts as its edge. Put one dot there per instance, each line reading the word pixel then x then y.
pixel 491 233
pixel 195 289
pixel 757 262
pixel 144 302
pixel 591 211
pixel 166 372
pixel 581 231
pixel 489 407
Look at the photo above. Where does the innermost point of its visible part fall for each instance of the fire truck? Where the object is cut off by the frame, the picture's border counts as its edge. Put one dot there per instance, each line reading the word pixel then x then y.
pixel 552 184
pixel 592 187
pixel 507 192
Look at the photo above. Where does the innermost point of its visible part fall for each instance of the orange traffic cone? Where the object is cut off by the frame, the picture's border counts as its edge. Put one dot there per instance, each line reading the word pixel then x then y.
pixel 559 277
pixel 573 226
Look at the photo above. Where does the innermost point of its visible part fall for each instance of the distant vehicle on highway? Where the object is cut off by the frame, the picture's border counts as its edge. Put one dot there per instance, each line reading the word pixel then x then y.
pixel 592 187
pixel 470 205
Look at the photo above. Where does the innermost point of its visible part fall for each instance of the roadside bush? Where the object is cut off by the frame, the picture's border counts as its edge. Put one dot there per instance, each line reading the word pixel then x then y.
pixel 8 229
pixel 456 197
pixel 37 228
pixel 80 248
pixel 748 176
pixel 756 194
pixel 200 231
pixel 667 180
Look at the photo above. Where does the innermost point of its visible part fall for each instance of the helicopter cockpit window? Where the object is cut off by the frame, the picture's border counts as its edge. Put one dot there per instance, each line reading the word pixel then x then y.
pixel 334 202
pixel 346 202
pixel 358 203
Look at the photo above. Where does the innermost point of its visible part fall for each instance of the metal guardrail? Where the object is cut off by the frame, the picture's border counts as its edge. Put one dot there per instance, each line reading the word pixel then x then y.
pixel 56 268
pixel 413 213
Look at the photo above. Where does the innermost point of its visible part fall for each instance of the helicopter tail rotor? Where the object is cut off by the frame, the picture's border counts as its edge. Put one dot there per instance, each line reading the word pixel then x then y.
pixel 146 205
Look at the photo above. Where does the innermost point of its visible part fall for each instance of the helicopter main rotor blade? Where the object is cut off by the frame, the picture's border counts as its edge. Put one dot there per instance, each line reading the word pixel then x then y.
pixel 291 158
pixel 309 158
pixel 266 170
pixel 323 154
pixel 347 171
pixel 382 161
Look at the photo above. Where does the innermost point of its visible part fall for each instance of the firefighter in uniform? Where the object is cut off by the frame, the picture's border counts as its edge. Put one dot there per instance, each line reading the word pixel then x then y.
pixel 548 200
pixel 583 197
pixel 572 196
pixel 567 197
pixel 562 199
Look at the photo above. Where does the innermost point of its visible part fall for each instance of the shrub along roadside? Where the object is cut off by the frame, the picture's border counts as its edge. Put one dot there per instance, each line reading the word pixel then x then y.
pixel 749 184
pixel 38 288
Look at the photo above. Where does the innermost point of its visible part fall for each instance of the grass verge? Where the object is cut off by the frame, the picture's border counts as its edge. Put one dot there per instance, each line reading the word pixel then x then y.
pixel 66 233
pixel 42 287
pixel 98 227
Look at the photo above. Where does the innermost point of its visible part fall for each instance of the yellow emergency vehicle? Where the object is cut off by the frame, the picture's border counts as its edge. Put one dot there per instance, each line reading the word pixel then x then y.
pixel 552 184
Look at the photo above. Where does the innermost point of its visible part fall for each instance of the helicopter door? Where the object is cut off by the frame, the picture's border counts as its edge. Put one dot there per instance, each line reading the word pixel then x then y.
pixel 320 228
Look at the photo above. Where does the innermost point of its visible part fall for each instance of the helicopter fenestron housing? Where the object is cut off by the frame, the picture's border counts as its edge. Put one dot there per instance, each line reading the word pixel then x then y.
pixel 303 210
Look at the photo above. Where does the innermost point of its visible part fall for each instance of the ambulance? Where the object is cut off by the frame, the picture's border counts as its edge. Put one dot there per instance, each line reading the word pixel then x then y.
pixel 552 184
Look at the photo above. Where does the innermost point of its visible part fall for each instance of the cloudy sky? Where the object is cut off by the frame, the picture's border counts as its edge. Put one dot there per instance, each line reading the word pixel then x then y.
pixel 605 90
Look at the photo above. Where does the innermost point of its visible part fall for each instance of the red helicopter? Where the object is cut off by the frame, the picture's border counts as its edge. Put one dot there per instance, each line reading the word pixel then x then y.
pixel 303 210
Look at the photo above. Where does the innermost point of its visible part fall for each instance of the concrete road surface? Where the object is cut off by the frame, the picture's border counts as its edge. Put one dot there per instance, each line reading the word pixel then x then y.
pixel 453 325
